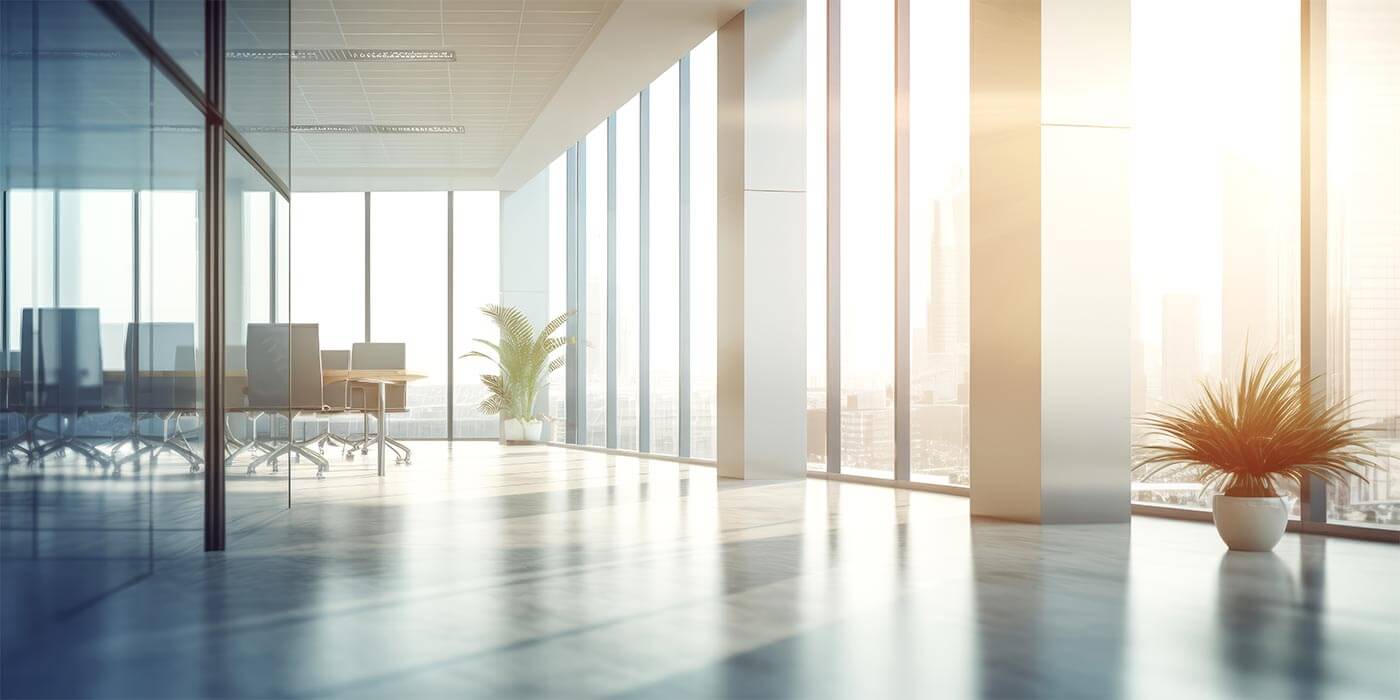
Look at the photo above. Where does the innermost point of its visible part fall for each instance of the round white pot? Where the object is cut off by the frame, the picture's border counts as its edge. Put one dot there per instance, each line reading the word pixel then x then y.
pixel 1250 524
pixel 514 429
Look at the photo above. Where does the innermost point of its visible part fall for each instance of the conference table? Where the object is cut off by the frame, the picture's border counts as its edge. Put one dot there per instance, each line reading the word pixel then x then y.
pixel 378 378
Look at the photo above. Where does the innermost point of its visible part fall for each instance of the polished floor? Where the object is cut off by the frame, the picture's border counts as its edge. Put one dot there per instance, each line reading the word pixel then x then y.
pixel 484 571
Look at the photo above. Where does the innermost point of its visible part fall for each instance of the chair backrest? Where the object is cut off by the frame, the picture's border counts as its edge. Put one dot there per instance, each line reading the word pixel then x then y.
pixel 70 359
pixel 335 359
pixel 164 348
pixel 284 366
pixel 379 356
pixel 382 356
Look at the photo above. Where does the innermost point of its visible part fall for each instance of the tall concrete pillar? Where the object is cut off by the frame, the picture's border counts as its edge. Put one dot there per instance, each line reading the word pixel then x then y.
pixel 761 195
pixel 1050 172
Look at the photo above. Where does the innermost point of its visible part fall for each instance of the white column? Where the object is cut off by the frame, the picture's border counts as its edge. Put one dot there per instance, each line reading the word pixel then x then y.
pixel 761 196
pixel 1051 351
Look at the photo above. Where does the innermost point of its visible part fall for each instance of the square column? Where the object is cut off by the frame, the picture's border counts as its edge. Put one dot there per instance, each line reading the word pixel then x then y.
pixel 761 195
pixel 1051 288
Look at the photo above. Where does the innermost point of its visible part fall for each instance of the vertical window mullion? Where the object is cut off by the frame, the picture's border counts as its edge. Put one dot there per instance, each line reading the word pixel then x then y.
pixel 643 272
pixel 901 241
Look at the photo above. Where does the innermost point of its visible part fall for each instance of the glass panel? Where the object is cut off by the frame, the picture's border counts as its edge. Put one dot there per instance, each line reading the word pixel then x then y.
pixel 596 241
pixel 939 242
pixel 476 227
pixel 258 78
pixel 1363 229
pixel 101 172
pixel 628 298
pixel 867 241
pixel 408 300
pixel 816 234
pixel 1215 202
pixel 261 363
pixel 664 262
pixel 704 295
pixel 558 276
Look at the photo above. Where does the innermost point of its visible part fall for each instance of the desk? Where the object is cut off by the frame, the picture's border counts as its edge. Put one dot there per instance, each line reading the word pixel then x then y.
pixel 379 378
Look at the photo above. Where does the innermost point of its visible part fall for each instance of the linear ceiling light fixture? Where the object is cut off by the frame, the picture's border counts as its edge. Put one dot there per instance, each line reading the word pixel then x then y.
pixel 348 55
pixel 378 129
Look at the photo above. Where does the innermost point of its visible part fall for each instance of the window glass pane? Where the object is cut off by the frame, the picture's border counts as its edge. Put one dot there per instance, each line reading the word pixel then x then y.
pixel 328 252
pixel 1363 227
pixel 1215 202
pixel 816 234
pixel 95 238
pixel 867 241
pixel 663 262
pixel 596 242
pixel 475 283
pixel 628 271
pixel 408 300
pixel 256 296
pixel 938 242
pixel 703 293
pixel 558 278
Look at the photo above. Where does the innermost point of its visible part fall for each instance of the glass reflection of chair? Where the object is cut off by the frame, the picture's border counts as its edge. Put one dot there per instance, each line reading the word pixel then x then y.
pixel 236 402
pixel 161 385
pixel 388 356
pixel 61 364
pixel 284 379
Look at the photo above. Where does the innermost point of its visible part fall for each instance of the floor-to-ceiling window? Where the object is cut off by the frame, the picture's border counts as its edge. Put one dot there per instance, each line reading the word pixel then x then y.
pixel 476 282
pixel 644 202
pixel 594 233
pixel 867 240
pixel 1363 243
pixel 703 248
pixel 939 240
pixel 626 298
pixel 558 298
pixel 663 261
pixel 1215 199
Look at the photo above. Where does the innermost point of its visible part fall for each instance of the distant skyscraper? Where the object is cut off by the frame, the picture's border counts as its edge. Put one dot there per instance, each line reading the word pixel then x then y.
pixel 948 281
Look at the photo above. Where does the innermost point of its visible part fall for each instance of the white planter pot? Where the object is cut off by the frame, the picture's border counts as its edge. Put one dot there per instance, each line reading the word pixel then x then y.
pixel 517 430
pixel 1250 524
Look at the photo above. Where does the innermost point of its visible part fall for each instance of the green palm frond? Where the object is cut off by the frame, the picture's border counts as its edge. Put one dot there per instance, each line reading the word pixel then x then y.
pixel 1248 437
pixel 522 360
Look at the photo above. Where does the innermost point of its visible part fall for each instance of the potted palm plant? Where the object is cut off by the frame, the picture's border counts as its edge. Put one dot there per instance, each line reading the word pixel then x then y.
pixel 1250 438
pixel 523 364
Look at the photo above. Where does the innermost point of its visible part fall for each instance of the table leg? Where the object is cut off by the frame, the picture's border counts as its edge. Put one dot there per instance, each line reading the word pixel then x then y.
pixel 382 429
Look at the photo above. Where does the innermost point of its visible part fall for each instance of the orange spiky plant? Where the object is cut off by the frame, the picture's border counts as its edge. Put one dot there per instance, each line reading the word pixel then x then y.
pixel 1250 437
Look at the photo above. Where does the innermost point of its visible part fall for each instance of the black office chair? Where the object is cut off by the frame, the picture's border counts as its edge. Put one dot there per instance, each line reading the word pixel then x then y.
pixel 65 362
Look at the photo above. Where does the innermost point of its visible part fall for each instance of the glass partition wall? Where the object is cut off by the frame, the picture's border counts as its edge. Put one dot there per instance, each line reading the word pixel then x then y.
pixel 135 213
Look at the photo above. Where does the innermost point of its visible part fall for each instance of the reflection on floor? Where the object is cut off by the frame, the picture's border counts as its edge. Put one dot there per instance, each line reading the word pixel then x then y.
pixel 533 571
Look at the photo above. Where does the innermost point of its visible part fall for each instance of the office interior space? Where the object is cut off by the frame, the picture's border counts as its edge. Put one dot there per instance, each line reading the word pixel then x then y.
pixel 700 348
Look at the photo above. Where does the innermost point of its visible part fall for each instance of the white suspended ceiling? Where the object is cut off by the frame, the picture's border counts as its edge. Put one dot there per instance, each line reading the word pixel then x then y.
pixel 489 93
